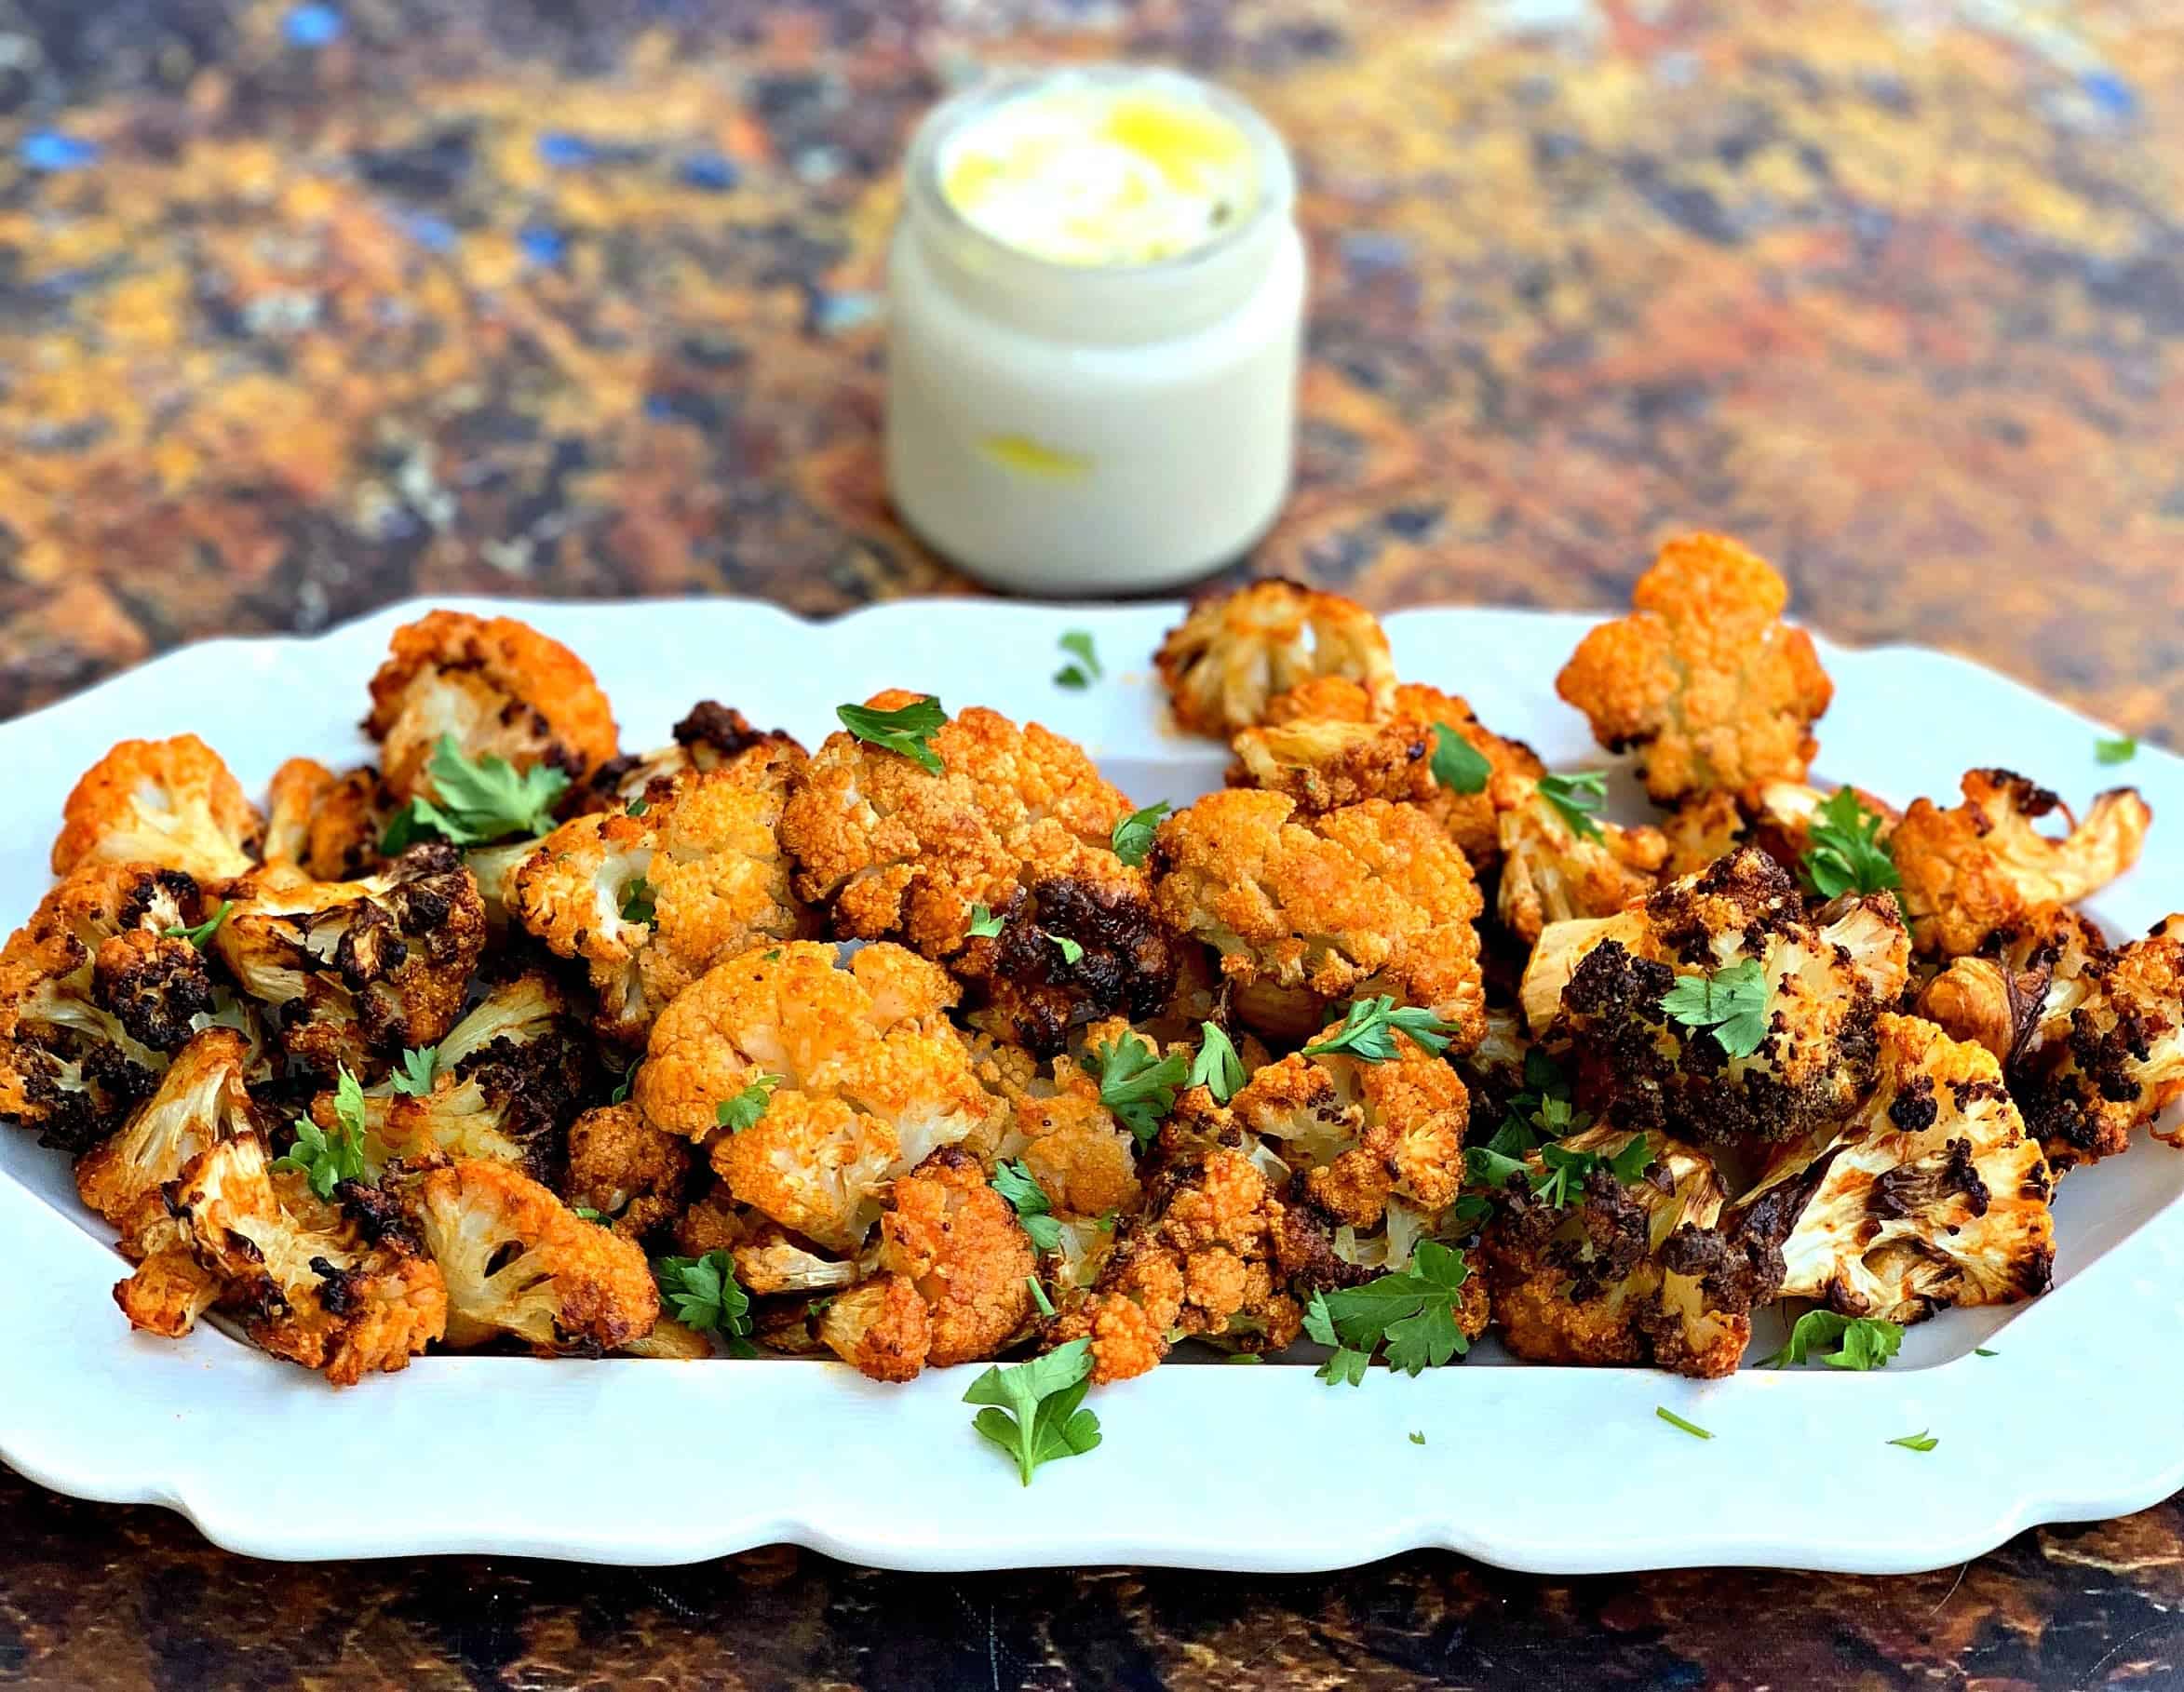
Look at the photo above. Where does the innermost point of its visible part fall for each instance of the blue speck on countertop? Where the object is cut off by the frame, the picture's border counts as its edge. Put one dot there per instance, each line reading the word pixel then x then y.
pixel 712 170
pixel 312 26
pixel 2110 93
pixel 437 235
pixel 50 150
pixel 1368 249
pixel 566 152
pixel 831 313
pixel 540 245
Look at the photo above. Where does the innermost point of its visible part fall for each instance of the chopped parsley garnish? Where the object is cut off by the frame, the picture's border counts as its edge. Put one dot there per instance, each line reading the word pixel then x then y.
pixel 1675 1420
pixel 419 1064
pixel 474 802
pixel 1575 798
pixel 1860 1342
pixel 1086 670
pixel 621 1093
pixel 1413 1314
pixel 908 730
pixel 1562 1169
pixel 1541 1111
pixel 329 1159
pixel 1137 1085
pixel 1731 1003
pixel 738 1113
pixel 636 903
pixel 984 925
pixel 637 807
pixel 1983 1352
pixel 2121 750
pixel 1073 952
pixel 1244 1357
pixel 1133 836
pixel 586 1212
pixel 204 931
pixel 1039 1295
pixel 706 1297
pixel 1457 764
pixel 1417 1438
pixel 1033 1414
pixel 1847 854
pixel 1368 1030
pixel 1217 1067
pixel 1016 1183
pixel 1920 1441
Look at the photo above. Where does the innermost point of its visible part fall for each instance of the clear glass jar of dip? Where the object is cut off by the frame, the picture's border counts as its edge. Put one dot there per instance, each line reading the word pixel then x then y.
pixel 1095 315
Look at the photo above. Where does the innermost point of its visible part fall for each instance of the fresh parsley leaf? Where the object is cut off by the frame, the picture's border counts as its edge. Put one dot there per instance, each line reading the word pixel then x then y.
pixel 908 730
pixel 1016 1183
pixel 1086 670
pixel 1072 952
pixel 1847 854
pixel 1575 798
pixel 420 1064
pixel 621 1093
pixel 1417 1438
pixel 1675 1420
pixel 1133 836
pixel 738 1113
pixel 1492 1168
pixel 1860 1342
pixel 1732 1003
pixel 1244 1357
pixel 1368 1030
pixel 1217 1067
pixel 586 1212
pixel 636 903
pixel 326 1160
pixel 707 1297
pixel 2121 750
pixel 204 931
pixel 1983 1352
pixel 637 807
pixel 1457 764
pixel 474 802
pixel 1920 1441
pixel 1033 1414
pixel 1412 1314
pixel 1138 1086
pixel 984 925
pixel 1562 1169
pixel 1039 1295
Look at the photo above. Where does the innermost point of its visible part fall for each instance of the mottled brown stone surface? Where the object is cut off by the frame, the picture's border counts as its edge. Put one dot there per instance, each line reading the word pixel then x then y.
pixel 303 309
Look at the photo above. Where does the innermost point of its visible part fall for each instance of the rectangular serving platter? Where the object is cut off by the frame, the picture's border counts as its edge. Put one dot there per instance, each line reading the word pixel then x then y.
pixel 1245 1468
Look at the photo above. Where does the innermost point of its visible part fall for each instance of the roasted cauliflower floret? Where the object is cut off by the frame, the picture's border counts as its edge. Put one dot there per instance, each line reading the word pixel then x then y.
pixel 882 1327
pixel 1821 982
pixel 95 989
pixel 325 825
pixel 2108 1054
pixel 1704 678
pixel 1551 873
pixel 1624 1274
pixel 1982 865
pixel 170 802
pixel 711 737
pixel 1017 821
pixel 1234 651
pixel 652 902
pixel 860 1072
pixel 1932 1195
pixel 632 1174
pixel 356 971
pixel 520 1262
pixel 1702 829
pixel 2018 989
pixel 201 1099
pixel 498 686
pixel 1373 898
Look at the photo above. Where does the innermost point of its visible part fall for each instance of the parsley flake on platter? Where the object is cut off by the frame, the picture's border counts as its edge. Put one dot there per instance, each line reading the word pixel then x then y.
pixel 1033 1414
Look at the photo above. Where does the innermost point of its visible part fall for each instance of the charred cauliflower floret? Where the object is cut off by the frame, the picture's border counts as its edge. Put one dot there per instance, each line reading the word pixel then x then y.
pixel 1809 1009
pixel 498 686
pixel 95 990
pixel 325 825
pixel 518 1262
pixel 1306 911
pixel 1551 873
pixel 339 1286
pixel 712 737
pixel 2018 989
pixel 652 902
pixel 201 1099
pixel 170 802
pixel 860 1074
pixel 1017 821
pixel 632 1174
pixel 1982 864
pixel 1932 1195
pixel 1234 651
pixel 356 971
pixel 1704 678
pixel 1626 1274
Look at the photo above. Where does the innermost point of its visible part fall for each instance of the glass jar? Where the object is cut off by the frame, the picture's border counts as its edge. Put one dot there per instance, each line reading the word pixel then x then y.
pixel 1065 428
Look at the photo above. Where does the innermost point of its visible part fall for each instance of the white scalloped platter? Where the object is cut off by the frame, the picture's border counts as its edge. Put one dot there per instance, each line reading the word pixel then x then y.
pixel 1551 1470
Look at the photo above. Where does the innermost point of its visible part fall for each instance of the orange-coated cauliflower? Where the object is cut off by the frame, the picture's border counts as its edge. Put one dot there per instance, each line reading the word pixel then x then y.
pixel 498 686
pixel 860 1074
pixel 1705 679
pixel 632 1174
pixel 1551 873
pixel 1373 898
pixel 710 737
pixel 1234 651
pixel 1702 829
pixel 1018 821
pixel 325 825
pixel 202 1098
pixel 883 1327
pixel 1982 865
pixel 170 802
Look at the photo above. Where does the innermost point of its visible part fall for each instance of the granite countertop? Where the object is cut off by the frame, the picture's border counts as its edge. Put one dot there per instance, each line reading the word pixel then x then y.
pixel 308 307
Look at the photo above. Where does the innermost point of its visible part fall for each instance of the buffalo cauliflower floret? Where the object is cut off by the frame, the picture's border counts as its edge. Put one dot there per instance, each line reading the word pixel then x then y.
pixel 1234 651
pixel 202 1098
pixel 632 1174
pixel 170 802
pixel 1551 873
pixel 1822 981
pixel 860 1074
pixel 1626 1274
pixel 498 686
pixel 356 971
pixel 520 1262
pixel 1306 911
pixel 1932 1195
pixel 711 737
pixel 95 990
pixel 883 1327
pixel 1702 829
pixel 1018 821
pixel 1982 865
pixel 325 825
pixel 1704 678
